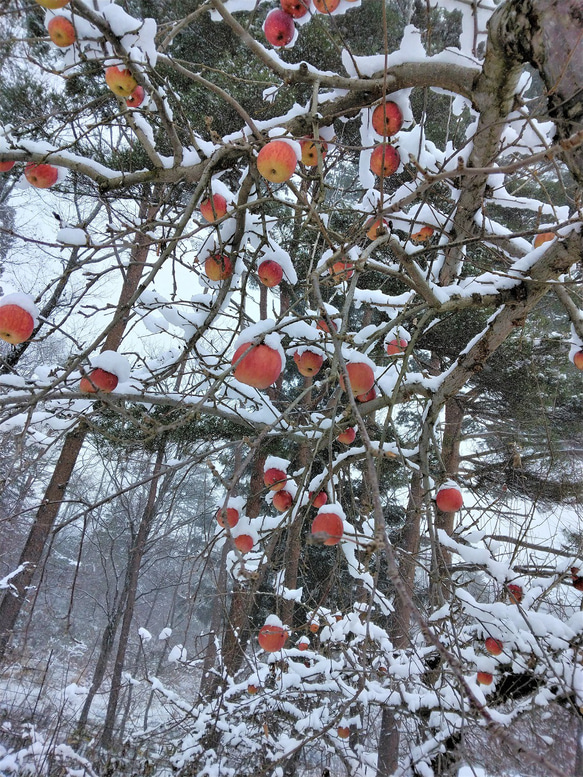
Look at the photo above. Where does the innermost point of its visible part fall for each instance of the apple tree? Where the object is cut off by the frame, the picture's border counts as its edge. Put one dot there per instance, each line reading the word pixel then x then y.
pixel 328 251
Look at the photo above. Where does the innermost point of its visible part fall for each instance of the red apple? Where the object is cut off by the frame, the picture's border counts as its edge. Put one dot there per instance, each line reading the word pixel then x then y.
pixel 343 732
pixel 310 151
pixel 330 525
pixel 326 6
pixel 295 8
pixel 323 326
pixel 578 360
pixel 320 499
pixel 274 478
pixel 302 645
pixel 368 397
pixel 98 380
pixel 396 347
pixel 449 500
pixel 16 324
pixel 260 367
pixel 543 237
pixel 213 208
pixel 136 98
pixel 308 362
pixel 272 638
pixel 244 543
pixel 282 500
pixel 270 273
pixel 120 80
pixel 341 271
pixel 278 28
pixel 277 161
pixel 252 689
pixel 387 119
pixel 232 517
pixel 61 32
pixel 218 267
pixel 375 228
pixel 424 234
pixel 314 627
pixel 385 160
pixel 484 678
pixel 347 436
pixel 6 166
pixel 493 646
pixel 515 592
pixel 360 376
pixel 41 176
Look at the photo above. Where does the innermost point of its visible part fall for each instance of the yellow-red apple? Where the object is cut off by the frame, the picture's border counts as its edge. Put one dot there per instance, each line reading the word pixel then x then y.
pixel 360 377
pixel 484 678
pixel 61 32
pixel 282 500
pixel 396 346
pixel 330 526
pixel 270 273
pixel 308 362
pixel 218 267
pixel 493 646
pixel 310 151
pixel 272 638
pixel 136 98
pixel 278 28
pixel 260 366
pixel 449 499
pixel 275 478
pixel 16 324
pixel 578 360
pixel 424 234
pixel 277 161
pixel 385 160
pixel 213 208
pixel 98 380
pixel 120 80
pixel 543 237
pixel 387 119
pixel 41 176
pixel 347 436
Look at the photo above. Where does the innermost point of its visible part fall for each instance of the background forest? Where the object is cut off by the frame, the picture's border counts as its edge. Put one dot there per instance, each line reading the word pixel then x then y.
pixel 290 370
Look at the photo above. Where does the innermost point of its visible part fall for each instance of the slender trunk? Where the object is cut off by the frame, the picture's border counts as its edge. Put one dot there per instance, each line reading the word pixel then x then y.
pixel 132 575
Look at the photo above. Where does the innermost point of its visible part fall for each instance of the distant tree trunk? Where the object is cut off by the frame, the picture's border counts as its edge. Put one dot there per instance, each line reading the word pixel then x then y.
pixel 450 456
pixel 132 576
pixel 46 516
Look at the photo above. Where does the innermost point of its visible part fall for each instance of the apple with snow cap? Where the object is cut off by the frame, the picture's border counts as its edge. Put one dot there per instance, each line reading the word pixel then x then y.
pixel 308 362
pixel 108 369
pixel 360 377
pixel 41 176
pixel 273 635
pixel 449 498
pixel 18 317
pixel 258 364
pixel 275 473
pixel 277 161
pixel 328 525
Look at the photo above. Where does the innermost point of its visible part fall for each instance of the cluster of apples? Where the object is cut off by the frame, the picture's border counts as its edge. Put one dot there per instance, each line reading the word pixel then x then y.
pixel 494 646
pixel 229 516
pixel 387 120
pixel 279 29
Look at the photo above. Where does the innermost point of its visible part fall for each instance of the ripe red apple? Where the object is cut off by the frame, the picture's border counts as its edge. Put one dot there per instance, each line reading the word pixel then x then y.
pixel 330 525
pixel 385 160
pixel 308 362
pixel 484 678
pixel 326 6
pixel 252 689
pixel 270 273
pixel 282 500
pixel 449 499
pixel 244 543
pixel 277 161
pixel 41 176
pixel 6 166
pixel 303 644
pixel 272 638
pixel 278 28
pixel 396 347
pixel 213 208
pixel 274 478
pixel 343 732
pixel 232 517
pixel 387 119
pixel 516 594
pixel 368 397
pixel 16 324
pixel 320 499
pixel 341 271
pixel 120 80
pixel 494 646
pixel 376 228
pixel 360 376
pixel 578 360
pixel 347 436
pixel 310 151
pixel 98 380
pixel 61 32
pixel 260 367
pixel 323 326
pixel 424 234
pixel 314 627
pixel 543 237
pixel 218 267
pixel 295 8
pixel 136 98
pixel 52 4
